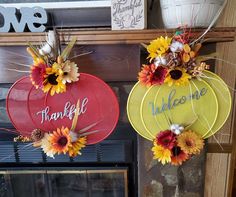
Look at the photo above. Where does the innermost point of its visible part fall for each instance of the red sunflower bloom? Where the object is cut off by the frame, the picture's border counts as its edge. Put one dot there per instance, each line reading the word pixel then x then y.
pixel 151 75
pixel 37 74
pixel 178 156
pixel 166 139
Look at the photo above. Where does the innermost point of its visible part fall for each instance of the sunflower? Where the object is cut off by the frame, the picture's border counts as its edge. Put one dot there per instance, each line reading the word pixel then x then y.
pixel 151 75
pixel 53 80
pixel 37 74
pixel 178 156
pixel 158 47
pixel 60 140
pixel 75 148
pixel 70 72
pixel 47 146
pixel 177 76
pixel 190 142
pixel 163 155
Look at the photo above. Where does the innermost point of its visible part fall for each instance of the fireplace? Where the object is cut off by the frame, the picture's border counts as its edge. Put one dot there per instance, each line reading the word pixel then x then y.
pixel 105 169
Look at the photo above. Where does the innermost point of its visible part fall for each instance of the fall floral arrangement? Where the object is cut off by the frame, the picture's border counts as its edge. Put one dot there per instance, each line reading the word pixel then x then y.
pixel 176 145
pixel 51 70
pixel 172 60
pixel 60 141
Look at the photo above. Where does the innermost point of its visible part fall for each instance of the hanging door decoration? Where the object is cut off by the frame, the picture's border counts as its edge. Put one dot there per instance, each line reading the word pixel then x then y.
pixel 177 103
pixel 58 108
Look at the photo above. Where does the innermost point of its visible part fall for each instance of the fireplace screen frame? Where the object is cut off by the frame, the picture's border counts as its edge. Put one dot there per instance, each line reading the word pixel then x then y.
pixel 63 171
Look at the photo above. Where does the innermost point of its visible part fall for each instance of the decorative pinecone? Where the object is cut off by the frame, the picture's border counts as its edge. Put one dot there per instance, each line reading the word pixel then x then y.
pixel 173 60
pixel 189 66
pixel 37 135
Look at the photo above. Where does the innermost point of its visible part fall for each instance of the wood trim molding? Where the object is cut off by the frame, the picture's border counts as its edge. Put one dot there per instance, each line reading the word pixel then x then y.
pixel 222 148
pixel 105 36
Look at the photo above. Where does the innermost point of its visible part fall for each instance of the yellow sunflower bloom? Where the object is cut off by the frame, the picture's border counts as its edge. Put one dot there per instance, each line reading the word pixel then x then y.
pixel 190 142
pixel 53 80
pixel 75 148
pixel 163 155
pixel 158 47
pixel 177 76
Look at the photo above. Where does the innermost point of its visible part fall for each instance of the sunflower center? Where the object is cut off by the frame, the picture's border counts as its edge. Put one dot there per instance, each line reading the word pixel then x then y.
pixel 176 151
pixel 189 143
pixel 62 141
pixel 166 141
pixel 52 79
pixel 176 74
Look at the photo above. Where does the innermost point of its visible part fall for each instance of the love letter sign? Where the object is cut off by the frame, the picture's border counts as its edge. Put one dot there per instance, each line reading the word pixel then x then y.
pixel 30 108
pixel 33 18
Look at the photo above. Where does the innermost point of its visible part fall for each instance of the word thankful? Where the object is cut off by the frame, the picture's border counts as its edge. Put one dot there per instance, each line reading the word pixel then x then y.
pixel 33 18
pixel 172 102
pixel 124 5
pixel 69 110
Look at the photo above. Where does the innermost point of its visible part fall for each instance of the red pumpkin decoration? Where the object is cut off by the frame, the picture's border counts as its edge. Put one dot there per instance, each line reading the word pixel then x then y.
pixel 29 108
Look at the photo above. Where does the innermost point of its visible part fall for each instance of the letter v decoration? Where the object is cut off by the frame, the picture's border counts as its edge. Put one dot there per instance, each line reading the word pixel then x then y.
pixel 177 103
pixel 56 107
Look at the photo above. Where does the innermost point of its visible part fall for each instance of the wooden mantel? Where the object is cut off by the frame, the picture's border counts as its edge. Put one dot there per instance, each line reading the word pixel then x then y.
pixel 106 36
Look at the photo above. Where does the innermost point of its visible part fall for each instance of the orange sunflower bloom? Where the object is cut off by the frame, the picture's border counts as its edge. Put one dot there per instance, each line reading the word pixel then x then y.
pixel 60 140
pixel 190 142
pixel 152 75
pixel 178 156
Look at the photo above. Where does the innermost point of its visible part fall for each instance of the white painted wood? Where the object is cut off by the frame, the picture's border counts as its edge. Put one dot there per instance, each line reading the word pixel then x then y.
pixel 58 5
pixel 128 14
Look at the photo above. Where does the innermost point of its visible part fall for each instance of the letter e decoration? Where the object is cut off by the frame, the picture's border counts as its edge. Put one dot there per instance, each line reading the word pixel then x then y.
pixel 34 18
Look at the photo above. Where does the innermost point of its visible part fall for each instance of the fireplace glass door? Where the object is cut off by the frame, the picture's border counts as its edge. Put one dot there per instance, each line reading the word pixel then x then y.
pixel 64 183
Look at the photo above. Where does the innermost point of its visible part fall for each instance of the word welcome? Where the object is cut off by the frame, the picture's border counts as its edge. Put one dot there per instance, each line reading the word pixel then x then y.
pixel 33 18
pixel 173 102
pixel 68 112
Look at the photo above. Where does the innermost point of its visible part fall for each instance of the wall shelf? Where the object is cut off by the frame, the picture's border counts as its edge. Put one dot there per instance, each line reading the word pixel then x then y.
pixel 106 36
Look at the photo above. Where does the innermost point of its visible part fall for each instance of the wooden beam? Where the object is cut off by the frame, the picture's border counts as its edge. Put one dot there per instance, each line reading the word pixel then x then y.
pixel 220 167
pixel 88 37
pixel 216 148
pixel 112 63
